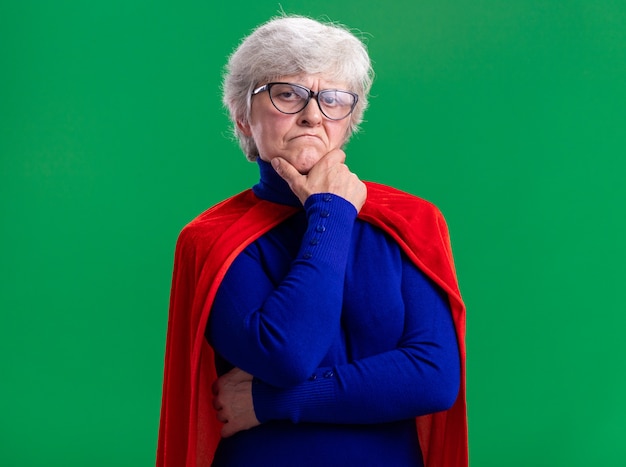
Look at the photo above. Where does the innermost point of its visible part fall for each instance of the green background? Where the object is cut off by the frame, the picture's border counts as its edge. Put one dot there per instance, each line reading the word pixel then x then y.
pixel 509 115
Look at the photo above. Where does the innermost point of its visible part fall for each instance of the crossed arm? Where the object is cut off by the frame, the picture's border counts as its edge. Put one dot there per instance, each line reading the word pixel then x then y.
pixel 262 333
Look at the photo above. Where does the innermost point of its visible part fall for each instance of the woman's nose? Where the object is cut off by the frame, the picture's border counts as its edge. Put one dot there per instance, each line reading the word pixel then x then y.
pixel 311 114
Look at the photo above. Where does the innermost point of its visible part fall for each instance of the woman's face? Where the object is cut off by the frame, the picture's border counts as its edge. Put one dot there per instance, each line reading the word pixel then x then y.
pixel 302 138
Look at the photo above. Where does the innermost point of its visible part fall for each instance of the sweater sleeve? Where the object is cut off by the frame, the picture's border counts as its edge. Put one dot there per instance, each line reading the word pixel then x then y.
pixel 420 376
pixel 280 331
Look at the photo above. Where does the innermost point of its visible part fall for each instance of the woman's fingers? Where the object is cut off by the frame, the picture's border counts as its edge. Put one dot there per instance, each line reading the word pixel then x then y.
pixel 232 399
pixel 329 175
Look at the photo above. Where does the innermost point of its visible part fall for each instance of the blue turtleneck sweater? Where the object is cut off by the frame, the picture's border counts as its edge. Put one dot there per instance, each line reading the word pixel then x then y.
pixel 348 341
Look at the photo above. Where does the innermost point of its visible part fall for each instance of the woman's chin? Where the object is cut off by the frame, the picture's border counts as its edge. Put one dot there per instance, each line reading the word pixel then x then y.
pixel 304 168
pixel 302 161
pixel 305 162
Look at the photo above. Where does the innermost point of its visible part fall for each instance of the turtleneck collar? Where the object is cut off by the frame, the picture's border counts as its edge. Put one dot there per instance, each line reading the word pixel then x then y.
pixel 272 187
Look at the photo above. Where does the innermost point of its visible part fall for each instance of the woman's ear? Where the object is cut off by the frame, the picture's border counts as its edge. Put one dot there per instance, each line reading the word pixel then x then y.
pixel 244 127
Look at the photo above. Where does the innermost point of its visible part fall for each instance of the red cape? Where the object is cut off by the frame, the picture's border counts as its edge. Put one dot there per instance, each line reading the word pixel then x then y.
pixel 189 431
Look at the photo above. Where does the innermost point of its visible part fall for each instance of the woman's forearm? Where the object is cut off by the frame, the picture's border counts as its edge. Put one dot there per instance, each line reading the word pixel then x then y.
pixel 281 331
pixel 421 375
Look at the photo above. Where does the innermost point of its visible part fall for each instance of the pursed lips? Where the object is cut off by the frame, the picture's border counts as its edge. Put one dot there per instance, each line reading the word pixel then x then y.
pixel 307 135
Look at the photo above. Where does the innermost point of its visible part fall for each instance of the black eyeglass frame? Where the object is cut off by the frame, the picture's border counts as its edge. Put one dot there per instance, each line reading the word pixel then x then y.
pixel 267 87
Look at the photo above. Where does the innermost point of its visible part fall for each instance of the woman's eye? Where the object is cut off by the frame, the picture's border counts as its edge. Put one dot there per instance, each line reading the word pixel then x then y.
pixel 333 99
pixel 288 94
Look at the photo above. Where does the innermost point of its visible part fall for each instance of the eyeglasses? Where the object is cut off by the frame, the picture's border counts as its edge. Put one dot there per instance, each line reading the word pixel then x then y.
pixel 291 98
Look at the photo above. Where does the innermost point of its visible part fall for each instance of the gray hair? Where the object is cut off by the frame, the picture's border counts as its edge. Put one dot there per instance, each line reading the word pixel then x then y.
pixel 291 45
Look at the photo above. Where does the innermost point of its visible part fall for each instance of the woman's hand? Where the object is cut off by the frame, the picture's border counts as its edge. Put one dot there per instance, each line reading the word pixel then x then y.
pixel 329 175
pixel 232 398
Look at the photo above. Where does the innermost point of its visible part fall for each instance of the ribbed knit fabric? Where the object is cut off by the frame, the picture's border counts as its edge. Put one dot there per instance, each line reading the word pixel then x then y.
pixel 347 339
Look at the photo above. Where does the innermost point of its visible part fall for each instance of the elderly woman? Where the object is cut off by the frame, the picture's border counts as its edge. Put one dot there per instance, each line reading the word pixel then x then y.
pixel 315 319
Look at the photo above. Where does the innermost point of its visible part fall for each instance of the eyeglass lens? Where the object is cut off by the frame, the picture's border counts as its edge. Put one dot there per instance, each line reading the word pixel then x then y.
pixel 291 99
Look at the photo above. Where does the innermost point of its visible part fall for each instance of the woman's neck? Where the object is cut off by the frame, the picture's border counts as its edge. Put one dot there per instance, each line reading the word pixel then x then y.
pixel 272 187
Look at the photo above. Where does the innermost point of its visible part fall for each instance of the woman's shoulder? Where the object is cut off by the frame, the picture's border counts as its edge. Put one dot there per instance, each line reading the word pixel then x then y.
pixel 418 227
pixel 219 216
pixel 385 198
pixel 224 212
pixel 240 215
